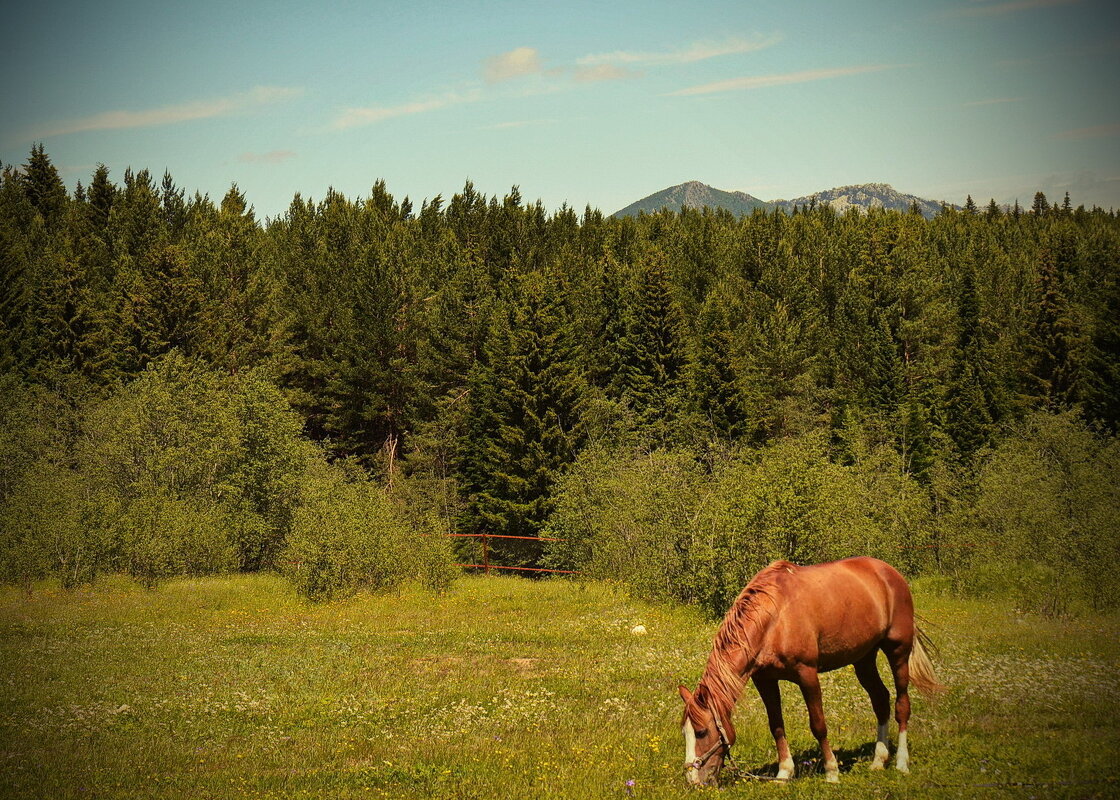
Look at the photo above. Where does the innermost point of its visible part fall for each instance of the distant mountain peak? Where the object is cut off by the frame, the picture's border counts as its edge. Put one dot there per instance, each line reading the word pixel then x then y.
pixel 863 196
pixel 694 194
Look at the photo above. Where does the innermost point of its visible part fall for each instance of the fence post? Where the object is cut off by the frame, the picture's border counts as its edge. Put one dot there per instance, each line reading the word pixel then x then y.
pixel 485 554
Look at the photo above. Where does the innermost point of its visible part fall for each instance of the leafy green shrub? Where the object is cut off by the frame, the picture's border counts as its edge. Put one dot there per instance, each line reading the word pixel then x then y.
pixel 629 518
pixel 1046 517
pixel 430 505
pixel 191 471
pixel 159 536
pixel 347 534
pixel 173 428
pixel 46 528
pixel 33 425
pixel 435 557
pixel 784 501
pixel 670 529
pixel 43 513
pixel 182 430
pixel 273 456
pixel 169 474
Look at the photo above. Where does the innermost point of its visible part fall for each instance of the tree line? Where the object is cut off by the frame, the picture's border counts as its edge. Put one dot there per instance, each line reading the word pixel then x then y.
pixel 471 358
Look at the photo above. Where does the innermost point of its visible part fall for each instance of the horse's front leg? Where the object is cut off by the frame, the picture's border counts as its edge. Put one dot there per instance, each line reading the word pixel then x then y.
pixel 810 685
pixel 772 698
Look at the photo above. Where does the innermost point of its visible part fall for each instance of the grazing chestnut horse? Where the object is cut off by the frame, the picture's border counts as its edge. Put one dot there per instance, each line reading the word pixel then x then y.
pixel 792 623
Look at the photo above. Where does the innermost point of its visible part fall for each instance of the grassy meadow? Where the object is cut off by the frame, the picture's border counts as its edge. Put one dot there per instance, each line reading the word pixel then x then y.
pixel 501 687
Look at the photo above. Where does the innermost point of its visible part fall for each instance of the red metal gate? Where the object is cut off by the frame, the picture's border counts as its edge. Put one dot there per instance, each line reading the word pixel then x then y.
pixel 486 566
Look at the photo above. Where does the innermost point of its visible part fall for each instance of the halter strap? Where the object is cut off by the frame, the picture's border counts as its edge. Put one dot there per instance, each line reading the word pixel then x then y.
pixel 723 744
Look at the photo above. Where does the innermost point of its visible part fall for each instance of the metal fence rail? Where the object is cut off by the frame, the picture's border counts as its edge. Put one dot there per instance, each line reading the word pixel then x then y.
pixel 486 566
pixel 524 569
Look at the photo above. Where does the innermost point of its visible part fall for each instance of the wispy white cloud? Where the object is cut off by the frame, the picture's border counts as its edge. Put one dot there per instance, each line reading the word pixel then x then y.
pixel 698 51
pixel 603 72
pixel 271 157
pixel 356 117
pixel 169 115
pixel 992 101
pixel 986 9
pixel 517 62
pixel 764 81
pixel 1092 132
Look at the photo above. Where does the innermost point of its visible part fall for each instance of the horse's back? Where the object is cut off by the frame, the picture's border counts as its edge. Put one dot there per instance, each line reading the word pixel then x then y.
pixel 848 576
pixel 841 609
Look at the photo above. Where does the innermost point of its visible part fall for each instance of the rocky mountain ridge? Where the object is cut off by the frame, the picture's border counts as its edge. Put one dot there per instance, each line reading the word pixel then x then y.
pixel 695 194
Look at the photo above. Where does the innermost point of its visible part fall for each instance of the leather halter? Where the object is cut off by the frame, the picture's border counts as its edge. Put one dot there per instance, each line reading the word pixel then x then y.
pixel 723 744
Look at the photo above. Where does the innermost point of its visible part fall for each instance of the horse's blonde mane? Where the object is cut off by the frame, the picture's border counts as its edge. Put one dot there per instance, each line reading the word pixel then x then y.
pixel 741 633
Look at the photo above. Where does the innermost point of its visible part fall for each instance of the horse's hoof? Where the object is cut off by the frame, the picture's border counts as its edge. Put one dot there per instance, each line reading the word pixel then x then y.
pixel 832 777
pixel 877 765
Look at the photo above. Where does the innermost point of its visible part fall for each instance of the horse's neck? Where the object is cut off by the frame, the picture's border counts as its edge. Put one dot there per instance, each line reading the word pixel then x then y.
pixel 726 675
pixel 736 648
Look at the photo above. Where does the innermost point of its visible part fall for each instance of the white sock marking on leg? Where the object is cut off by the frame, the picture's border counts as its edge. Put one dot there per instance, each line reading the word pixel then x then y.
pixel 785 769
pixel 902 758
pixel 882 747
pixel 832 771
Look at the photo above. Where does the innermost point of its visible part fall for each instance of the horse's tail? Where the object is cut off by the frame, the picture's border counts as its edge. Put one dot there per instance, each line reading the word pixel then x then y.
pixel 921 667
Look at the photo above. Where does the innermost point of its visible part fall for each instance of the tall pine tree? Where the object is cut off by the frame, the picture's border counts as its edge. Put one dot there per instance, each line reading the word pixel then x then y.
pixel 523 420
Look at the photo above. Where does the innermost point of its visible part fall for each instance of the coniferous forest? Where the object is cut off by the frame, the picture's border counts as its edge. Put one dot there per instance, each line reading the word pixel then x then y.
pixel 676 398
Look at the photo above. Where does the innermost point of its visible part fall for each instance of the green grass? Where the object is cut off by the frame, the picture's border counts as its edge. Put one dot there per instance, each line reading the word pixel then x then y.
pixel 503 687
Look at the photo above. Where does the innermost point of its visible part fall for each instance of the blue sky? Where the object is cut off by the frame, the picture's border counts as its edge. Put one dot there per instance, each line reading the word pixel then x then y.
pixel 599 103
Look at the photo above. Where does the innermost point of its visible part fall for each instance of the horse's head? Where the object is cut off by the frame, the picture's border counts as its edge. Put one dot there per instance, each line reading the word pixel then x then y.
pixel 707 736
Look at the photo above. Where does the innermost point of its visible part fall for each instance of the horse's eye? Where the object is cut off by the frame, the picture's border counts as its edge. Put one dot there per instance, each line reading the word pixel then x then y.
pixel 701 733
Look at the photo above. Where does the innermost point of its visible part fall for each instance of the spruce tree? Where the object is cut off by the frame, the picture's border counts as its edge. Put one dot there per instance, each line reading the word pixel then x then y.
pixel 523 420
pixel 714 393
pixel 1100 385
pixel 21 229
pixel 225 258
pixel 604 322
pixel 43 186
pixel 174 206
pixel 101 195
pixel 969 412
pixel 651 353
pixel 1054 349
pixel 66 309
pixel 968 417
pixel 917 440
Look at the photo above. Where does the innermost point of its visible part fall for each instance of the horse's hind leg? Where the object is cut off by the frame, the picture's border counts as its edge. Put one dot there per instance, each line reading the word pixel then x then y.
pixel 772 698
pixel 811 690
pixel 868 675
pixel 898 655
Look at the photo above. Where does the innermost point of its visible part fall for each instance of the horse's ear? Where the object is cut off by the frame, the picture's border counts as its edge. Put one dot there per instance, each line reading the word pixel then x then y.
pixel 686 695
